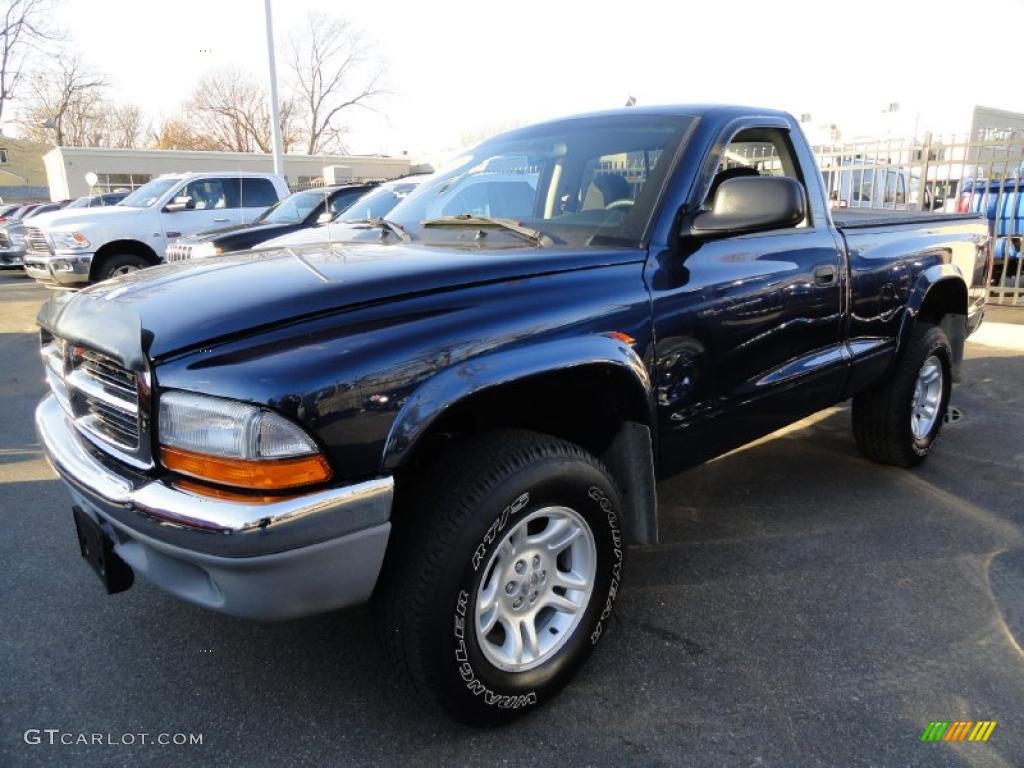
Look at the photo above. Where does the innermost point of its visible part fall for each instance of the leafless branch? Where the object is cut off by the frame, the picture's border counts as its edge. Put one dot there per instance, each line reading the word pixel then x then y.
pixel 333 69
pixel 25 29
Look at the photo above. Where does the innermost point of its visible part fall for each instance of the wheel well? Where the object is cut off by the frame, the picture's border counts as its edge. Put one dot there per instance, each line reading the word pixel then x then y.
pixel 117 247
pixel 945 305
pixel 945 297
pixel 585 405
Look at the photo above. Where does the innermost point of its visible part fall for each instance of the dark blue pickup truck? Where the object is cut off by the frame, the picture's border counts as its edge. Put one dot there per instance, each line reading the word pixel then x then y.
pixel 461 411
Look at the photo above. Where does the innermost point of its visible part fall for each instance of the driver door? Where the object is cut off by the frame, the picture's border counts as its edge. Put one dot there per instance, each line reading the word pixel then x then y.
pixel 748 326
pixel 211 206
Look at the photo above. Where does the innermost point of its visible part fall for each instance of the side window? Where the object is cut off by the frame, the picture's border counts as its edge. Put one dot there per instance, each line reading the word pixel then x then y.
pixel 754 152
pixel 343 200
pixel 206 194
pixel 890 188
pixel 862 184
pixel 258 193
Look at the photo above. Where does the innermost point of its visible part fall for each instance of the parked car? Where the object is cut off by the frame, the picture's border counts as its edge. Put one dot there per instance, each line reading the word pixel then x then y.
pixel 856 183
pixel 98 201
pixel 358 216
pixel 77 247
pixel 298 211
pixel 40 209
pixel 465 419
pixel 1002 203
pixel 12 231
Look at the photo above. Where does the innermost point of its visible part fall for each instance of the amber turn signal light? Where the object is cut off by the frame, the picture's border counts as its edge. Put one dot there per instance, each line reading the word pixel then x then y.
pixel 275 474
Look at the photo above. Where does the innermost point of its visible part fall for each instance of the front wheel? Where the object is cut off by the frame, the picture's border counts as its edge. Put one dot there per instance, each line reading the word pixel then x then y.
pixel 120 264
pixel 898 420
pixel 502 574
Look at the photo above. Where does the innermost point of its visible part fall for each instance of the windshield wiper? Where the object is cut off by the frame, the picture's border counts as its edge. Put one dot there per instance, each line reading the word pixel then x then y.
pixel 535 236
pixel 386 226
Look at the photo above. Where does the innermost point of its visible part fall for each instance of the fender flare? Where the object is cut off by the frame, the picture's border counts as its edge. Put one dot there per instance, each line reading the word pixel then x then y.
pixel 954 323
pixel 937 274
pixel 447 388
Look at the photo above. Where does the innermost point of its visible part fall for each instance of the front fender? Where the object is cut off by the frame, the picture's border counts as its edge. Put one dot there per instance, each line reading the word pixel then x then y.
pixel 452 385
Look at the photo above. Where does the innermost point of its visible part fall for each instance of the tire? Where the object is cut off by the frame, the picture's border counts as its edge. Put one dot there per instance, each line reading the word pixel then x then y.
pixel 118 264
pixel 450 551
pixel 884 421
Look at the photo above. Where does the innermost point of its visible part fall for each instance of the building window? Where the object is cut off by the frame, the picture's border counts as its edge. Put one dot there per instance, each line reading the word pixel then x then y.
pixel 307 182
pixel 119 182
pixel 3 155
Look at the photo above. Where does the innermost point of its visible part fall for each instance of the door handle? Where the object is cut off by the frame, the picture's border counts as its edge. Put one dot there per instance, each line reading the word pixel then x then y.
pixel 219 221
pixel 825 275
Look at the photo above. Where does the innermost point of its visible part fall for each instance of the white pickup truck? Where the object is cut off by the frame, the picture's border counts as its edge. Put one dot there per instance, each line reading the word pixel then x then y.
pixel 75 247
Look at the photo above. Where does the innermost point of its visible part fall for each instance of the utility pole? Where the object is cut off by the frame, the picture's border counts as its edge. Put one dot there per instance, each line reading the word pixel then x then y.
pixel 275 114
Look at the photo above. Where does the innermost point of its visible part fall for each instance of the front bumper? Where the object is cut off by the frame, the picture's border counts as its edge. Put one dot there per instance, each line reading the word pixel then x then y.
pixel 286 558
pixel 58 270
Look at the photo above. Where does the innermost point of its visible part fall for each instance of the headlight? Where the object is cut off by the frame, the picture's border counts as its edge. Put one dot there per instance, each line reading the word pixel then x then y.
pixel 236 444
pixel 70 241
pixel 205 251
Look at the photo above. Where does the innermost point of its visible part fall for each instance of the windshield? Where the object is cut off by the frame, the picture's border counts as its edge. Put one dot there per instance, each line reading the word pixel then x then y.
pixel 82 202
pixel 591 181
pixel 148 193
pixel 378 203
pixel 292 209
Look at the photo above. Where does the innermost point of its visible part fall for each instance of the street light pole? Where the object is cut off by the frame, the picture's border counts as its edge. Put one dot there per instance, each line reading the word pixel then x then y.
pixel 275 114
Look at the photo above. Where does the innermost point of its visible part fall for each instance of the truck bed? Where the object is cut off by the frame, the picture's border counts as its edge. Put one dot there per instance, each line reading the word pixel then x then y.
pixel 855 218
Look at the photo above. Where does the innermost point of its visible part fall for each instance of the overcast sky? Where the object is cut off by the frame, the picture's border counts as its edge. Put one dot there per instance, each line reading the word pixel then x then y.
pixel 457 68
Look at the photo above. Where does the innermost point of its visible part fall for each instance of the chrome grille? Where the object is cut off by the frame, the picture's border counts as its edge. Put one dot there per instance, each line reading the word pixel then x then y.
pixel 118 426
pixel 36 240
pixel 110 374
pixel 179 252
pixel 101 396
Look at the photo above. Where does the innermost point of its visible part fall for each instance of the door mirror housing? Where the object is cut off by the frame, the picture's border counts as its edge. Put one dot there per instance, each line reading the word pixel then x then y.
pixel 182 203
pixel 324 217
pixel 751 204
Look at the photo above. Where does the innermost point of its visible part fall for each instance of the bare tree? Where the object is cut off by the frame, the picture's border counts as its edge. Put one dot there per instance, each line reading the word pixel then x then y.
pixel 334 70
pixel 67 98
pixel 230 110
pixel 126 126
pixel 24 30
pixel 177 133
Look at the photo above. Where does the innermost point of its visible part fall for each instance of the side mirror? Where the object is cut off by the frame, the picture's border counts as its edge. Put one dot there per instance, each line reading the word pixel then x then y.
pixel 324 217
pixel 184 203
pixel 751 204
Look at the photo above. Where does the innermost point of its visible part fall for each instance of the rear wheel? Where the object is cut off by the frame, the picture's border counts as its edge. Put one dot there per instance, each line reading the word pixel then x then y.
pixel 120 264
pixel 502 573
pixel 898 420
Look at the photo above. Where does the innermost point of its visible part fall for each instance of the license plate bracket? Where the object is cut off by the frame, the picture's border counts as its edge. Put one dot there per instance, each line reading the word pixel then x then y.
pixel 98 550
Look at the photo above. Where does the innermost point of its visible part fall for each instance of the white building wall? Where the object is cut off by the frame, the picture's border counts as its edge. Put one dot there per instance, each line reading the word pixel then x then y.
pixel 66 167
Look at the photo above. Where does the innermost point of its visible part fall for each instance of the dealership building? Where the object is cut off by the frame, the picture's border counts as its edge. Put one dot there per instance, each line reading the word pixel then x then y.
pixel 66 167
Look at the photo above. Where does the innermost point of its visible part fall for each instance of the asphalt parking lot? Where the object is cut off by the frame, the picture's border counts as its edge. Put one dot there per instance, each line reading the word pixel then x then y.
pixel 805 608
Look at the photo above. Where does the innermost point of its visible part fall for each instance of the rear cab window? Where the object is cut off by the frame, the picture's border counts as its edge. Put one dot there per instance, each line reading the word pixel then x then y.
pixel 257 193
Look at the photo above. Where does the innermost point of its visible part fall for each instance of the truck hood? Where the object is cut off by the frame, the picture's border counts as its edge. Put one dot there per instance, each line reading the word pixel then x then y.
pixel 175 307
pixel 215 234
pixel 83 218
